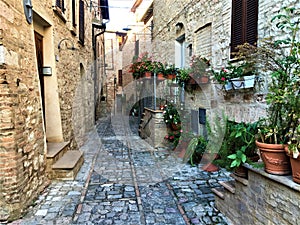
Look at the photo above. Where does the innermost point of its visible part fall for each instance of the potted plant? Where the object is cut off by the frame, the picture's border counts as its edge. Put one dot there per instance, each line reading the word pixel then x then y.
pixel 183 76
pixel 280 58
pixel 171 71
pixel 243 136
pixel 171 116
pixel 195 150
pixel 141 65
pixel 236 76
pixel 199 69
pixel 292 150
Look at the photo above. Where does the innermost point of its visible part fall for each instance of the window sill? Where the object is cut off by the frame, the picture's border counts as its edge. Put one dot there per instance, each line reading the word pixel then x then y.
pixel 59 13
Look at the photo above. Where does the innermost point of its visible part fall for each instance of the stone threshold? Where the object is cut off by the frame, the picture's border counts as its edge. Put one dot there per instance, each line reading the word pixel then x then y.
pixel 285 180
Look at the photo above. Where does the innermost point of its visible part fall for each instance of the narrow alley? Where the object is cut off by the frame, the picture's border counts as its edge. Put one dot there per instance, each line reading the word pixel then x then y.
pixel 125 181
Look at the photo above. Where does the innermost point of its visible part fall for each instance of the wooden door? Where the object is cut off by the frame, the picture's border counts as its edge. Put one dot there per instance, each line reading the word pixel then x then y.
pixel 40 62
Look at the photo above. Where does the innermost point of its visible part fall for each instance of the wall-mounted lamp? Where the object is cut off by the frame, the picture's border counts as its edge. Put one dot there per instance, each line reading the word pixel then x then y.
pixel 47 71
pixel 179 26
pixel 66 39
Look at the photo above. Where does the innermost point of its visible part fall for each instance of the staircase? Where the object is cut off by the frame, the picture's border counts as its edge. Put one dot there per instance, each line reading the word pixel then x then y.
pixel 228 194
pixel 62 163
pixel 144 129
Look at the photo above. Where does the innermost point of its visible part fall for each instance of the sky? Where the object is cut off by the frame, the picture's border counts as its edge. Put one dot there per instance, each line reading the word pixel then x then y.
pixel 119 14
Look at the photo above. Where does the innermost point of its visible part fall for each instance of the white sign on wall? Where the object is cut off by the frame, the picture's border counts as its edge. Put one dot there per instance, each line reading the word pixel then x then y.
pixel 2 54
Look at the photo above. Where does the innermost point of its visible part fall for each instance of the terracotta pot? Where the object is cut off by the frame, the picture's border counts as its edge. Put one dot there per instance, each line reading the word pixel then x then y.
pixel 160 76
pixel 203 80
pixel 171 76
pixel 275 159
pixel 242 171
pixel 295 163
pixel 175 126
pixel 148 75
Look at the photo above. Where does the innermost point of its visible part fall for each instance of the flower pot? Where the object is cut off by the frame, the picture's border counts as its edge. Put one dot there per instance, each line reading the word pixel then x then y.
pixel 175 126
pixel 171 76
pixel 160 76
pixel 148 75
pixel 241 171
pixel 295 163
pixel 204 80
pixel 274 157
pixel 249 81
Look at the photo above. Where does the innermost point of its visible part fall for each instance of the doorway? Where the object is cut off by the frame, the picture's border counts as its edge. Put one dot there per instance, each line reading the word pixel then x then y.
pixel 40 63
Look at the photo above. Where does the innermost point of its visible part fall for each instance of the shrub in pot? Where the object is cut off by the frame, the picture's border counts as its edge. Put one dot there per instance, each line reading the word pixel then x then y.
pixel 279 58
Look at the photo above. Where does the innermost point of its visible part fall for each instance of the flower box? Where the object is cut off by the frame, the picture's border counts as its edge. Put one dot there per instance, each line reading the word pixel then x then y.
pixel 240 83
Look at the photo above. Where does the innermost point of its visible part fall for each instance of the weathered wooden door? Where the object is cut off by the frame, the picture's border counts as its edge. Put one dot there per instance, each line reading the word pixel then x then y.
pixel 40 62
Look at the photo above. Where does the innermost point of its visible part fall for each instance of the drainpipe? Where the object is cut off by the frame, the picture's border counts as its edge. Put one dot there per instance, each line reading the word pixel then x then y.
pixel 96 77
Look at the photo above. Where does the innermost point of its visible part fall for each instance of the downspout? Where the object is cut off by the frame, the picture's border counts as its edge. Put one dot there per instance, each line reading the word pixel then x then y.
pixel 96 77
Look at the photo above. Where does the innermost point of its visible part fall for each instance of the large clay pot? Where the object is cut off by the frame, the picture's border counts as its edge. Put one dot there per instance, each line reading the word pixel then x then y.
pixel 295 163
pixel 275 159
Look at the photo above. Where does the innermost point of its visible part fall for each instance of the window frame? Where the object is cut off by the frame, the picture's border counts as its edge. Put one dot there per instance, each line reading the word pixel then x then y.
pixel 244 23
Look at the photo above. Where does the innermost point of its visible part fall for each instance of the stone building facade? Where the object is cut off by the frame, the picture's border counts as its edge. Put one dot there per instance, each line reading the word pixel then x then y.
pixel 46 91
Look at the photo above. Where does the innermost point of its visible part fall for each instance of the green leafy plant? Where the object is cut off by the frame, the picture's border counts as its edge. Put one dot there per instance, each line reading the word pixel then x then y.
pixel 171 114
pixel 279 58
pixel 195 150
pixel 244 135
pixel 231 71
pixel 183 76
pixel 199 66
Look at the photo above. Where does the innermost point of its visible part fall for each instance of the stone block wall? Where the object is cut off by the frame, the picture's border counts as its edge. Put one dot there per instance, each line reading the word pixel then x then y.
pixel 266 199
pixel 22 137
pixel 22 125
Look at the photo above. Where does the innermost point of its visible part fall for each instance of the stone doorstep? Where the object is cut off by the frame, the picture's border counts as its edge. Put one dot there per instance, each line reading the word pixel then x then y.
pixel 67 167
pixel 219 192
pixel 56 150
pixel 228 185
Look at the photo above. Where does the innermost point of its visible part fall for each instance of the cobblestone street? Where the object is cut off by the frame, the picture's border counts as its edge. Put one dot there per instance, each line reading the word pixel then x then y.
pixel 125 181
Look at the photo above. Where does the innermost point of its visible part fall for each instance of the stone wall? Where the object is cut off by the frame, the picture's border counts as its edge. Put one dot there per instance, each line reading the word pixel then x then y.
pixel 22 125
pixel 22 140
pixel 206 25
pixel 265 199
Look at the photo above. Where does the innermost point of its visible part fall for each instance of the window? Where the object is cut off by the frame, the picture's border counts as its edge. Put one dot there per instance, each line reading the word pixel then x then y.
pixel 81 22
pixel 180 48
pixel 74 13
pixel 61 4
pixel 244 23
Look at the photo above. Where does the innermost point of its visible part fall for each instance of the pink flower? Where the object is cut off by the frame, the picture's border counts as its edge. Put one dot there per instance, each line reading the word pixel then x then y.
pixel 166 137
pixel 181 131
pixel 223 79
pixel 171 137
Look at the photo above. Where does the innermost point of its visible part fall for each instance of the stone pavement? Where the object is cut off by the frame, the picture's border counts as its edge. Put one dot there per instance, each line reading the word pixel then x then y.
pixel 125 181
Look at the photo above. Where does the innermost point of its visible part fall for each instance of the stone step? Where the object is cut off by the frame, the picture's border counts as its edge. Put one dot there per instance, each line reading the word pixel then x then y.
pixel 68 166
pixel 219 192
pixel 228 185
pixel 54 152
pixel 243 181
